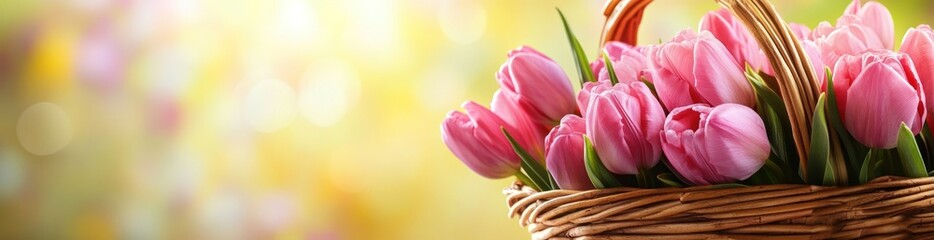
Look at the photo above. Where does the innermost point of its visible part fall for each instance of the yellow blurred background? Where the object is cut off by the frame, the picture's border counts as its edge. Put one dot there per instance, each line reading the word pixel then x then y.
pixel 283 119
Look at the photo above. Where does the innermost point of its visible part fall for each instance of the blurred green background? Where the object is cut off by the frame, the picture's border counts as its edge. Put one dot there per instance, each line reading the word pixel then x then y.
pixel 284 119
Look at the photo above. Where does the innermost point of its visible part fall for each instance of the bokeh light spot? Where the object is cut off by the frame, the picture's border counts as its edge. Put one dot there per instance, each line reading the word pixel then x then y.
pixel 328 90
pixel 269 105
pixel 462 21
pixel 44 129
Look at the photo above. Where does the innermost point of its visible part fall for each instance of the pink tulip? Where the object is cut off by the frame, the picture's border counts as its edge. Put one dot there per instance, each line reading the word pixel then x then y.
pixel 800 30
pixel 583 97
pixel 877 91
pixel 875 17
pixel 696 68
pixel 628 62
pixel 564 154
pixel 542 89
pixel 623 121
pixel 734 36
pixel 476 139
pixel 527 132
pixel 919 45
pixel 715 145
pixel 850 39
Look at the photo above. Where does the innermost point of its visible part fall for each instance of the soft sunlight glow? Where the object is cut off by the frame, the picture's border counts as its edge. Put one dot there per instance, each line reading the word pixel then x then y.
pixel 269 105
pixel 328 90
pixel 462 21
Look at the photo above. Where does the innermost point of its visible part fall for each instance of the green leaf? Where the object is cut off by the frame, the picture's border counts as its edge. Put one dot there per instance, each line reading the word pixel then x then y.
pixel 599 175
pixel 537 173
pixel 609 68
pixel 669 179
pixel 819 156
pixel 910 155
pixel 527 181
pixel 772 110
pixel 583 66
pixel 865 172
pixel 855 151
pixel 929 145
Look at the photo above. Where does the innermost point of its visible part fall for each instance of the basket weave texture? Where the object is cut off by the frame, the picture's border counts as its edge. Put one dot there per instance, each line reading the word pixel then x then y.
pixel 886 208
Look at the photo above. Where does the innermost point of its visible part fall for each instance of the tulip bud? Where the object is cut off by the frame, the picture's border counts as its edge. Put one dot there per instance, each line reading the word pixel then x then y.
pixel 734 36
pixel 628 62
pixel 477 140
pixel 712 145
pixel 875 17
pixel 564 154
pixel 876 91
pixel 623 122
pixel 919 45
pixel 696 68
pixel 542 88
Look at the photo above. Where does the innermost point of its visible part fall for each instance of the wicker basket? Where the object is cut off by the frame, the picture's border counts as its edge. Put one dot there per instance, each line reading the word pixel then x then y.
pixel 886 208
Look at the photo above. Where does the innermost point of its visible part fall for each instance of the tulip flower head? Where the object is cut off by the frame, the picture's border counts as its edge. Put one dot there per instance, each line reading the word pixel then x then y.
pixel 629 63
pixel 734 36
pixel 712 145
pixel 919 45
pixel 877 91
pixel 539 85
pixel 697 68
pixel 477 140
pixel 623 122
pixel 564 154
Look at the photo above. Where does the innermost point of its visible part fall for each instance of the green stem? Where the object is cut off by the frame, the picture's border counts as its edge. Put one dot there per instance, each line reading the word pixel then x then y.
pixel 642 178
pixel 527 181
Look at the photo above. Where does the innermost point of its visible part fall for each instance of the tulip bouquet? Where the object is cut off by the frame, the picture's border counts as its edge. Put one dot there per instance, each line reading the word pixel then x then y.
pixel 704 108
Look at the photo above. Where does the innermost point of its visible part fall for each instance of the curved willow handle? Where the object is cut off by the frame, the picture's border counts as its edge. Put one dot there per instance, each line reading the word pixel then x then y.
pixel 796 80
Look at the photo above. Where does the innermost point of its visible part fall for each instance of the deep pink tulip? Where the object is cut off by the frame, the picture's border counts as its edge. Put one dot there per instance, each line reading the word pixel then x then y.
pixel 564 154
pixel 696 68
pixel 476 139
pixel 722 144
pixel 734 36
pixel 874 16
pixel 629 63
pixel 877 91
pixel 527 132
pixel 541 87
pixel 919 45
pixel 623 121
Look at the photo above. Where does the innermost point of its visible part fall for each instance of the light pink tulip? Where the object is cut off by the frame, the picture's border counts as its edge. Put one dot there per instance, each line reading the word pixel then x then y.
pixel 874 16
pixel 800 30
pixel 919 45
pixel 734 36
pixel 628 62
pixel 696 68
pixel 476 139
pixel 564 154
pixel 623 121
pixel 528 133
pixel 877 91
pixel 850 39
pixel 722 144
pixel 542 89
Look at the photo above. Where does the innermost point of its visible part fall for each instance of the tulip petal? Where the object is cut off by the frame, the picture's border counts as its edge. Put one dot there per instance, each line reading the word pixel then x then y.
pixel 887 98
pixel 736 137
pixel 718 78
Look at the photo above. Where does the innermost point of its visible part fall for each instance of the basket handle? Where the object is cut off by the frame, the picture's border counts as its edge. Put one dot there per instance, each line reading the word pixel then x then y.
pixel 796 80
